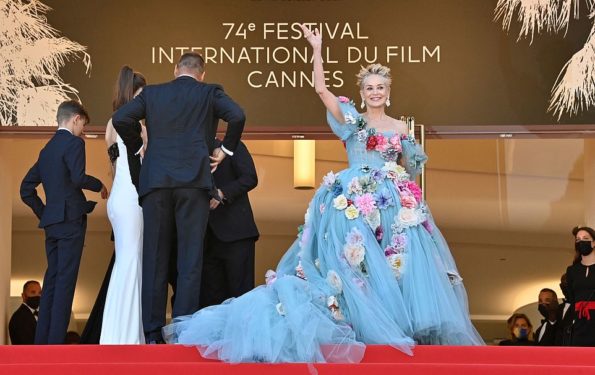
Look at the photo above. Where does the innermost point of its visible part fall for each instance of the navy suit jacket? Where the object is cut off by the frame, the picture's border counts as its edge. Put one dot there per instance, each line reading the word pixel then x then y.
pixel 235 177
pixel 60 169
pixel 181 117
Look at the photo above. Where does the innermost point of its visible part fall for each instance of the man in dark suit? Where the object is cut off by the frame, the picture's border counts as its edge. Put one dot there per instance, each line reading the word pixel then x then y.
pixel 176 183
pixel 60 168
pixel 228 268
pixel 24 320
pixel 549 332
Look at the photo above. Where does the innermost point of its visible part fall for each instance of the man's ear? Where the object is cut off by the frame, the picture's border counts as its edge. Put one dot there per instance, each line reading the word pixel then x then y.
pixel 201 76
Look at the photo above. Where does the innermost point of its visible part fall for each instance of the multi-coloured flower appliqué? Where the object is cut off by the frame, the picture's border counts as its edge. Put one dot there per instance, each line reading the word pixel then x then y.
pixel 270 277
pixel 354 251
pixel 333 304
pixel 395 253
pixel 413 212
pixel 389 147
pixel 299 271
pixel 334 280
pixel 333 183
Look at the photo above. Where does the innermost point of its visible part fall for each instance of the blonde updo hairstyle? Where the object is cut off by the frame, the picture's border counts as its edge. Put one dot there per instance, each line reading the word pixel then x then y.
pixel 372 69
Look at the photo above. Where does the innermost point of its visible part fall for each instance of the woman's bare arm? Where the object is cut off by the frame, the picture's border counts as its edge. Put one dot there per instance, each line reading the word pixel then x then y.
pixel 328 98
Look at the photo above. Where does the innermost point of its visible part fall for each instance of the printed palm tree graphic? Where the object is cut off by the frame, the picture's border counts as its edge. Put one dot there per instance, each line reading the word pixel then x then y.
pixel 574 89
pixel 31 55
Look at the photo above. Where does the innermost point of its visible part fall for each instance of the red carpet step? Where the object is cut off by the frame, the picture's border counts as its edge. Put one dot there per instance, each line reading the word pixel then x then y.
pixel 175 359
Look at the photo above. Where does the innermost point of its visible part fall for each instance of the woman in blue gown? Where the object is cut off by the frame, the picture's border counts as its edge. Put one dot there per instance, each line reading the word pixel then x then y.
pixel 368 267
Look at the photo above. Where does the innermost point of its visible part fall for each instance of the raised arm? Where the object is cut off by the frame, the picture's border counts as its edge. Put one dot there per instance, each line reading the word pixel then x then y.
pixel 328 98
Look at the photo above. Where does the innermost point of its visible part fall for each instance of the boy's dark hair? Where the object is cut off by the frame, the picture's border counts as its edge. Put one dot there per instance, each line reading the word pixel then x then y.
pixel 70 108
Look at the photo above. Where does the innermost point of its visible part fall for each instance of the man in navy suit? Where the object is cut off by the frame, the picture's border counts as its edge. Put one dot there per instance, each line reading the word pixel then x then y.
pixel 60 169
pixel 228 268
pixel 24 320
pixel 176 183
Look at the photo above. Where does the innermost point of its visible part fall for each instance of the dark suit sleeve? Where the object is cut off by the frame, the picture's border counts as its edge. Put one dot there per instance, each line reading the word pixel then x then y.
pixel 75 159
pixel 549 336
pixel 125 121
pixel 18 335
pixel 29 190
pixel 244 169
pixel 230 112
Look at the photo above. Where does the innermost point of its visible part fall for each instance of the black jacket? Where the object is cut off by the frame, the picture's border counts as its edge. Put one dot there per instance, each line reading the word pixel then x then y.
pixel 233 220
pixel 180 117
pixel 22 326
pixel 60 168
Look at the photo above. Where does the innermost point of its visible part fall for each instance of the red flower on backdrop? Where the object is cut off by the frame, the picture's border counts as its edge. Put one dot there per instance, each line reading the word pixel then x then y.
pixel 371 143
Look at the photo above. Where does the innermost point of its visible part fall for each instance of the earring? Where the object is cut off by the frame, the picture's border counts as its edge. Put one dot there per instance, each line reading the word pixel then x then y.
pixel 388 102
pixel 363 104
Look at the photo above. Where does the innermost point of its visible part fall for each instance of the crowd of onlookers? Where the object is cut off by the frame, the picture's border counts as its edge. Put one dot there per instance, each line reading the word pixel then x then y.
pixel 555 328
pixel 568 323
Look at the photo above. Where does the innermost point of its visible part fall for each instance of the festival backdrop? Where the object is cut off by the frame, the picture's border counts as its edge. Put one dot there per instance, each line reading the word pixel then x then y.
pixel 452 63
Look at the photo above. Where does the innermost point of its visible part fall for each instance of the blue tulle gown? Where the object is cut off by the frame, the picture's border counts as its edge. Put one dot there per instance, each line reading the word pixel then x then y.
pixel 368 267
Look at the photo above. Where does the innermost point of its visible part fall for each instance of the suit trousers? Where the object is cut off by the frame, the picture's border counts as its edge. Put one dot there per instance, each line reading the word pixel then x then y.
pixel 64 247
pixel 170 214
pixel 228 269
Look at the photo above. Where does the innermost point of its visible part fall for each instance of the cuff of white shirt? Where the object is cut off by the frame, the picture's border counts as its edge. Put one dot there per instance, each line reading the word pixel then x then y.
pixel 226 151
pixel 139 150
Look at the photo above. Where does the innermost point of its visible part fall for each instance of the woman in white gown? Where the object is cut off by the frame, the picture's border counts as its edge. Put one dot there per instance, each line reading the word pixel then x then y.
pixel 122 319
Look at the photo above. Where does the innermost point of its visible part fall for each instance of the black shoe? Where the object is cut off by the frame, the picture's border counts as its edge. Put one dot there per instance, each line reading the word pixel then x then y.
pixel 155 342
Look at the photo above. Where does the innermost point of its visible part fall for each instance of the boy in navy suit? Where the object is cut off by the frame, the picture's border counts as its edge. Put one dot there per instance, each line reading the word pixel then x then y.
pixel 60 168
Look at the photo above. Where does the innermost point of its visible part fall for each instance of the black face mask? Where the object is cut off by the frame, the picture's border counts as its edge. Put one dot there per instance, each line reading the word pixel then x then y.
pixel 543 310
pixel 583 247
pixel 33 302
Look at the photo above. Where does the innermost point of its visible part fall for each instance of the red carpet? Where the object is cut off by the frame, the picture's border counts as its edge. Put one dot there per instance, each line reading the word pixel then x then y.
pixel 173 359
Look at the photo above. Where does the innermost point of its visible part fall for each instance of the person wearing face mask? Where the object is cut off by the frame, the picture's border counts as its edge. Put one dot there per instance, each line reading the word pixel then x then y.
pixel 521 331
pixel 547 333
pixel 23 322
pixel 580 277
